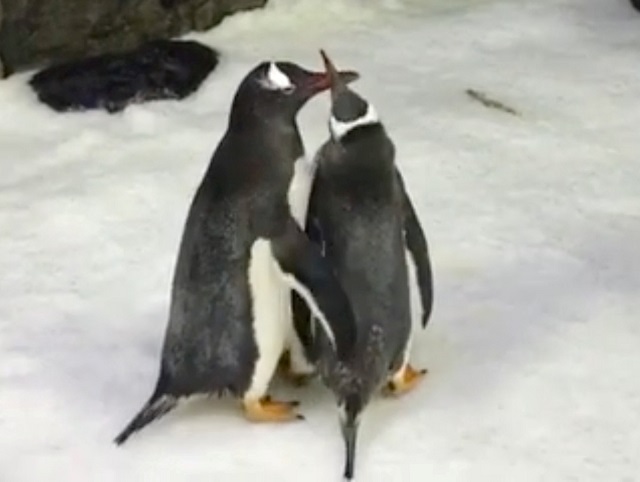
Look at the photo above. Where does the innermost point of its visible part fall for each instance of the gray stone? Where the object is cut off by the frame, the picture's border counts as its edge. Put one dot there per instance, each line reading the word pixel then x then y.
pixel 34 33
pixel 1 65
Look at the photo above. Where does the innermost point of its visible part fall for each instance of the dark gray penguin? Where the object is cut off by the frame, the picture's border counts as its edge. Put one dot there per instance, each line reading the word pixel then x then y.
pixel 241 252
pixel 361 216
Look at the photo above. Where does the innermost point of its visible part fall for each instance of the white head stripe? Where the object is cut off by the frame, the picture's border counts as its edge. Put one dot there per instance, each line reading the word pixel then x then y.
pixel 340 128
pixel 277 78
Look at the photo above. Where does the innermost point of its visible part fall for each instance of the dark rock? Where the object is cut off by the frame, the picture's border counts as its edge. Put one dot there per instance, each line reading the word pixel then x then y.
pixel 37 32
pixel 162 69
pixel 1 65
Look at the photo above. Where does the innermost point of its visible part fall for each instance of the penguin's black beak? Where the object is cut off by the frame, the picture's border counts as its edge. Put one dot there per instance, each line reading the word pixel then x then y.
pixel 320 81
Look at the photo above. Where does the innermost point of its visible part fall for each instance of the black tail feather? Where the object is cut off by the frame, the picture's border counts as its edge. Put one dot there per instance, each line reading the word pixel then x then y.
pixel 350 433
pixel 155 408
pixel 349 425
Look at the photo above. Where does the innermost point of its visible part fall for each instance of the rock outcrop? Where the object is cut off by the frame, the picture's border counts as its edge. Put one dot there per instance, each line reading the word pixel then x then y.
pixel 34 33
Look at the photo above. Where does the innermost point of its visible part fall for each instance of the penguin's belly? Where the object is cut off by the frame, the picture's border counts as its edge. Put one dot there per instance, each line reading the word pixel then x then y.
pixel 402 351
pixel 298 197
pixel 300 189
pixel 412 282
pixel 270 301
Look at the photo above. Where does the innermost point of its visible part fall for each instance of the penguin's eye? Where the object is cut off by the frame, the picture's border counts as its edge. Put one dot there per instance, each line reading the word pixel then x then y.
pixel 289 90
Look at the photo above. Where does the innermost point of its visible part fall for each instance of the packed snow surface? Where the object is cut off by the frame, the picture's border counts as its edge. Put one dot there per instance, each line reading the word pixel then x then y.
pixel 533 221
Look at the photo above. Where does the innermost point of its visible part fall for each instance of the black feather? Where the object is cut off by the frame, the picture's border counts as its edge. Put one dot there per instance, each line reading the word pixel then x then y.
pixel 153 409
pixel 158 405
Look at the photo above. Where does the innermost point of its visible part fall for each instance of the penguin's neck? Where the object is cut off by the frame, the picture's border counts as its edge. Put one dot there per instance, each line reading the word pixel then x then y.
pixel 362 134
pixel 252 118
pixel 275 137
pixel 366 147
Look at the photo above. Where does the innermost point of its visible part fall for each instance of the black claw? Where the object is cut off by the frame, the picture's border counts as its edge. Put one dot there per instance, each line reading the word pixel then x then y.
pixel 300 417
pixel 424 371
pixel 294 403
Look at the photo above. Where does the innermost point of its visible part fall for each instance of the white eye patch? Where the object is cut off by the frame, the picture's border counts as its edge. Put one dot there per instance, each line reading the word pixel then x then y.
pixel 276 79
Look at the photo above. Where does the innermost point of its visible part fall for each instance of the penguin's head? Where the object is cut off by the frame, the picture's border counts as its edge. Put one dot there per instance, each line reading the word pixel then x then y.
pixel 349 110
pixel 281 88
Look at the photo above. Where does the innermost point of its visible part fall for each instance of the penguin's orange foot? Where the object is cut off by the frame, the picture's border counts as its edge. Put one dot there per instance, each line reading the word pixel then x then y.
pixel 405 380
pixel 267 410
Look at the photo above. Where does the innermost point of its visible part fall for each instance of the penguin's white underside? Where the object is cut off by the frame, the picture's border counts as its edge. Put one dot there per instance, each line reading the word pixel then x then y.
pixel 414 298
pixel 411 281
pixel 270 293
pixel 300 189
pixel 298 197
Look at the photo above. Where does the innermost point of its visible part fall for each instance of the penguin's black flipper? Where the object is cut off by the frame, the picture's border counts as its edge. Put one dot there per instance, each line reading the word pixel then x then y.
pixel 311 276
pixel 302 320
pixel 302 317
pixel 417 246
pixel 312 228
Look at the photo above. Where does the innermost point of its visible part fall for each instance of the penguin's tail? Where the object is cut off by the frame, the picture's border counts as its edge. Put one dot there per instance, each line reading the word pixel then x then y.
pixel 158 405
pixel 349 422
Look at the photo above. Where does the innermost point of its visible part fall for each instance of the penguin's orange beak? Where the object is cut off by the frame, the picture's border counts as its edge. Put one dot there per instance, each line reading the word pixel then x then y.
pixel 319 82
pixel 337 79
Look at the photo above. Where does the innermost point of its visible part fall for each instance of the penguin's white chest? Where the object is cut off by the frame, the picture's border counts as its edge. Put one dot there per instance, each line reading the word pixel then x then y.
pixel 298 196
pixel 300 189
pixel 270 293
pixel 269 300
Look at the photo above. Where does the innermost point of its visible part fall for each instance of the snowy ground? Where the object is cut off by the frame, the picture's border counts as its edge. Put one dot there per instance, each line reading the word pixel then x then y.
pixel 534 224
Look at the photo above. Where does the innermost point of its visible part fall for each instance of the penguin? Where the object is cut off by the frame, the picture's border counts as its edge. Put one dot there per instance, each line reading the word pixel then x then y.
pixel 362 217
pixel 241 251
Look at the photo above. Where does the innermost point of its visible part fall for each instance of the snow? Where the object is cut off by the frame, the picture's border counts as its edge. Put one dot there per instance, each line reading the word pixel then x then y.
pixel 533 222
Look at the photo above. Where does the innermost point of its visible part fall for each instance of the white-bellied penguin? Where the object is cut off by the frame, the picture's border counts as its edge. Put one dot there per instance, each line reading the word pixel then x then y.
pixel 362 217
pixel 241 252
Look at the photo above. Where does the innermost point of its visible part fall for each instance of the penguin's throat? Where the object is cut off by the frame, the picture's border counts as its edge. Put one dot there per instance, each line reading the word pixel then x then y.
pixel 257 119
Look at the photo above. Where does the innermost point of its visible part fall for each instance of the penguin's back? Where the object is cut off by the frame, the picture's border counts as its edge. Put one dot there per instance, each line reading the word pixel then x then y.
pixel 210 342
pixel 365 246
pixel 359 211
